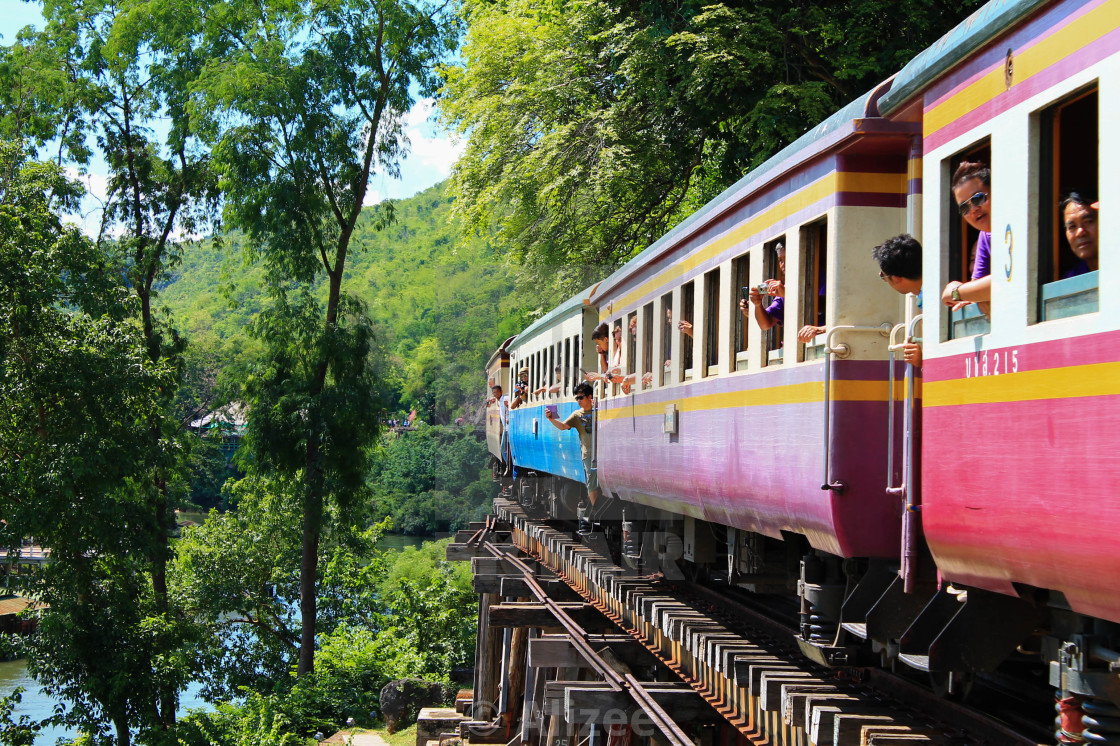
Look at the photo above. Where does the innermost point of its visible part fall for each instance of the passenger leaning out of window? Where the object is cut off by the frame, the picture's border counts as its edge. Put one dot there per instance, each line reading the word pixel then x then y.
pixel 972 191
pixel 769 312
pixel 554 388
pixel 1079 218
pixel 900 266
pixel 600 338
pixel 582 421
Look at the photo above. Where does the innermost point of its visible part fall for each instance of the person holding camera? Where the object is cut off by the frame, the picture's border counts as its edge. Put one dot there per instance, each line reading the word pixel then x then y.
pixel 767 314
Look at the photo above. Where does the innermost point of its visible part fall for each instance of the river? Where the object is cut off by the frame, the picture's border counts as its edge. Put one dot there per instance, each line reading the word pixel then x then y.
pixel 37 705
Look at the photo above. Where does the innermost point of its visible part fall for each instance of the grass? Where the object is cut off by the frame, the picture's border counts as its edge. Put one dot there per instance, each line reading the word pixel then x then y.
pixel 406 737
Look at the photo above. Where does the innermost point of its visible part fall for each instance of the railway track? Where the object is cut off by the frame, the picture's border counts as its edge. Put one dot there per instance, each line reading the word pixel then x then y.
pixel 738 660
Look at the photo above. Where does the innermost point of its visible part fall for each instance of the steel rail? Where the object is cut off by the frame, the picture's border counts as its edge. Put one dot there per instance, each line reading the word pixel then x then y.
pixel 618 682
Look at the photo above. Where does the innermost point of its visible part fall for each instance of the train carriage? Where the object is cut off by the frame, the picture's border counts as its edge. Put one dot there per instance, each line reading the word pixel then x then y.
pixel 552 355
pixel 497 373
pixel 742 412
pixel 730 439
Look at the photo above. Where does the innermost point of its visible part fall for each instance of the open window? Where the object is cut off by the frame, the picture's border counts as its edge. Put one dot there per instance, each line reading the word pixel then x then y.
pixel 647 345
pixel 814 283
pixel 666 327
pixel 631 335
pixel 773 268
pixel 740 283
pixel 970 320
pixel 1069 175
pixel 711 322
pixel 688 306
pixel 566 388
pixel 577 365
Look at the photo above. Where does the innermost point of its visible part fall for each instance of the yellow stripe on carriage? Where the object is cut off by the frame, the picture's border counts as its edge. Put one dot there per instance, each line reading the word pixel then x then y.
pixel 1075 381
pixel 1028 62
pixel 797 393
pixel 826 186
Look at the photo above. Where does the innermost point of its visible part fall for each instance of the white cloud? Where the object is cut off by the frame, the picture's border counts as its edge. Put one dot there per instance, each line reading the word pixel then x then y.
pixel 373 196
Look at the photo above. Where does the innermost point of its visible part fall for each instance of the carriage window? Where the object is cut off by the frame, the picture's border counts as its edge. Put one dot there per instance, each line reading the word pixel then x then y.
pixel 970 320
pixel 740 273
pixel 631 333
pixel 535 373
pixel 814 248
pixel 577 360
pixel 688 308
pixel 773 268
pixel 711 323
pixel 647 346
pixel 666 338
pixel 553 375
pixel 566 385
pixel 1067 251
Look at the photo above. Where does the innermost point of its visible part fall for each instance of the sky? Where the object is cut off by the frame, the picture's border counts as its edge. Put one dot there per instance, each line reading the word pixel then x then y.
pixel 430 157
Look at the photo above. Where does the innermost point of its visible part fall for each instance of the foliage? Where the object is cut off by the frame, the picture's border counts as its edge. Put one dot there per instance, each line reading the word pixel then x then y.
pixel 432 480
pixel 381 615
pixel 260 721
pixel 78 387
pixel 15 732
pixel 439 307
pixel 594 127
pixel 302 102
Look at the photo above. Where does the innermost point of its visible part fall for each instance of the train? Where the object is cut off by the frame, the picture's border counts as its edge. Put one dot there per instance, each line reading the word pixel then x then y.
pixel 952 519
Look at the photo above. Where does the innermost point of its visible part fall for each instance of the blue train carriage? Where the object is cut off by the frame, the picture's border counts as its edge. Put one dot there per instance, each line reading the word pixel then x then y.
pixel 497 372
pixel 554 351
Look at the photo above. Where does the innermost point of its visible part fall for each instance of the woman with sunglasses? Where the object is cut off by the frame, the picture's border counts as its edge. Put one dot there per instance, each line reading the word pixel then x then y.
pixel 972 192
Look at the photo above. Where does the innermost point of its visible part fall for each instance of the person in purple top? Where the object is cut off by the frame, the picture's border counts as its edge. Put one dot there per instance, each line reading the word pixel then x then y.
pixel 1079 219
pixel 767 315
pixel 972 191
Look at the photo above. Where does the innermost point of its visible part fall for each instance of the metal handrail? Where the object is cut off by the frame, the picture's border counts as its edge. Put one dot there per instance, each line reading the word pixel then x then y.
pixel 842 351
pixel 891 347
pixel 909 519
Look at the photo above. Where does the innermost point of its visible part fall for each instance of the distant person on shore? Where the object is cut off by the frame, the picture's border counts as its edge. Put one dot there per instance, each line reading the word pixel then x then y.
pixel 900 266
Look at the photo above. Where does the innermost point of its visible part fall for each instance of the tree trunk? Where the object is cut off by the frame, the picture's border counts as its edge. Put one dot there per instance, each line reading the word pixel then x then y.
pixel 308 569
pixel 124 736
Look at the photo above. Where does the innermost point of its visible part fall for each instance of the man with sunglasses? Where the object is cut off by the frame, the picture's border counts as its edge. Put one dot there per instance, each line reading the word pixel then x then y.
pixel 972 192
pixel 900 266
pixel 582 421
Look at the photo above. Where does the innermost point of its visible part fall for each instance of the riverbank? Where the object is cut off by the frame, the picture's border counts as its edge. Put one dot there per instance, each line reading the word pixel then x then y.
pixel 38 706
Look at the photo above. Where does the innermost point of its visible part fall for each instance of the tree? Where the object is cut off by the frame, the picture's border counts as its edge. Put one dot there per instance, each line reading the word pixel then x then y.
pixel 304 100
pixel 77 388
pixel 594 127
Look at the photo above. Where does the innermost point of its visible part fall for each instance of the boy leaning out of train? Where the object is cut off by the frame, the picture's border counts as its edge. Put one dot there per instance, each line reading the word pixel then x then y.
pixel 900 266
pixel 581 421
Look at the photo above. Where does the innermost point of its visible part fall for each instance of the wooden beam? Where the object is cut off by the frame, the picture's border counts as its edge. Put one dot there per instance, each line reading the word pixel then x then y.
pixel 539 615
pixel 557 651
pixel 595 702
pixel 463 552
pixel 487 583
pixel 554 588
pixel 488 565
